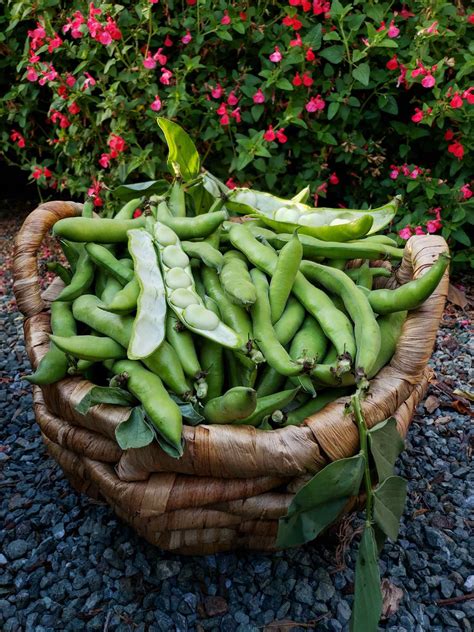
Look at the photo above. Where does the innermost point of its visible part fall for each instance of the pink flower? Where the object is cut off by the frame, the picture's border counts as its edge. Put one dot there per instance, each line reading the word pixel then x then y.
pixel 224 120
pixel 70 81
pixel 280 135
pixel 470 18
pixel 432 29
pixel 333 179
pixel 74 25
pixel 456 149
pixel 394 173
pixel 222 109
pixel 419 230
pixel 160 58
pixel 231 183
pixel 94 192
pixel 105 38
pixel 310 56
pixel 428 81
pixel 432 226
pixel 297 41
pixel 258 97
pixel 54 42
pixel 217 92
pixel 17 138
pixel 405 233
pixel 104 161
pixel 116 143
pixel 297 81
pixel 168 41
pixel 156 105
pixel 269 134
pixel 186 38
pixel 315 104
pixel 465 189
pixel 74 108
pixel 392 63
pixel 393 31
pixel 307 79
pixel 137 213
pixel 235 114
pixel 165 76
pixel 456 101
pixel 232 99
pixel 89 82
pixel 276 56
pixel 149 62
pixel 418 116
pixel 31 74
pixel 226 18
pixel 153 1
pixel 467 94
pixel 415 173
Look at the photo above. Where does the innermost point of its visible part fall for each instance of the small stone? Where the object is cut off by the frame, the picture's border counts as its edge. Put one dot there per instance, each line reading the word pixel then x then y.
pixel 324 592
pixel 215 606
pixel 3 560
pixel 16 549
pixel 58 531
pixel 166 569
pixel 468 584
pixel 343 611
pixel 304 593
pixel 447 588
pixel 241 617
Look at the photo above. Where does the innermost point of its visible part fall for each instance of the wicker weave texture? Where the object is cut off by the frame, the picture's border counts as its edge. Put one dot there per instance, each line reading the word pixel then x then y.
pixel 232 483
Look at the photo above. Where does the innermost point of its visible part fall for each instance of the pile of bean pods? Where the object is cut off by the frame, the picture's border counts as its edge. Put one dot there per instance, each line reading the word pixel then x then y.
pixel 260 320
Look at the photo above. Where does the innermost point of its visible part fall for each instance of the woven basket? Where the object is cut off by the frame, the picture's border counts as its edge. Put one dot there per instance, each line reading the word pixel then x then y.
pixel 232 483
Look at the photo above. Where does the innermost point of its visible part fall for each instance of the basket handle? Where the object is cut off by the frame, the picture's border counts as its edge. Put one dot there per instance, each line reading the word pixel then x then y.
pixel 25 270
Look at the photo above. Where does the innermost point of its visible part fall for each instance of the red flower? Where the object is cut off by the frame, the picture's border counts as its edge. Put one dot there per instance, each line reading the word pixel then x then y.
pixel 297 80
pixel 456 101
pixel 449 134
pixel 117 143
pixel 333 179
pixel 232 99
pixel 17 138
pixel 226 19
pixel 418 116
pixel 74 108
pixel 310 56
pixel 280 135
pixel 392 63
pixel 269 134
pixel 230 183
pixel 456 149
pixel 137 213
pixel 104 161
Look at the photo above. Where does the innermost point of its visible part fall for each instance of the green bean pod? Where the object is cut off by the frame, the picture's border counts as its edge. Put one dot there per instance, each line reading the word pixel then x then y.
pixel 95 348
pixel 103 258
pixel 270 382
pixel 309 343
pixel 284 275
pixel 71 251
pixel 88 208
pixel 102 231
pixel 379 239
pixel 212 362
pixel 366 329
pixel 274 353
pixel 268 405
pixel 128 209
pixel 81 279
pixel 206 253
pixel 54 364
pixel 148 329
pixel 412 294
pixel 191 227
pixel 353 273
pixel 111 287
pixel 164 361
pixel 298 415
pixel 290 321
pixel 235 279
pixel 182 342
pixel 176 201
pixel 63 273
pixel 237 403
pixel 125 299
pixel 162 411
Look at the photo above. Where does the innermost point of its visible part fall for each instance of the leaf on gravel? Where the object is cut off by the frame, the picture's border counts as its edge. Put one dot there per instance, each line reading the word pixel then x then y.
pixel 431 403
pixel 391 598
pixel 318 503
pixel 286 625
pixel 135 432
pixel 367 595
pixel 466 394
pixel 105 395
pixel 457 296
pixel 385 445
pixel 389 501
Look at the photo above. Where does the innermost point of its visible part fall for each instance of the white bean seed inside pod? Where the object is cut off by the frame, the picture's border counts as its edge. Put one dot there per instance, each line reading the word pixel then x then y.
pixel 182 298
pixel 312 219
pixel 165 236
pixel 201 318
pixel 177 277
pixel 174 257
pixel 287 214
pixel 339 220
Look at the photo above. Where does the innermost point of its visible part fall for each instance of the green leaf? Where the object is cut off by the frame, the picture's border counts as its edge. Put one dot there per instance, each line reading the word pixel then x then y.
pixel 387 103
pixel 183 158
pixel 190 413
pixel 357 55
pixel 412 185
pixel 367 594
pixel 314 37
pixel 385 445
pixel 332 110
pixel 284 84
pixel 104 395
pixel 135 431
pixel 362 73
pixel 460 235
pixel 333 54
pixel 389 501
pixel 320 501
pixel 257 111
pixel 131 191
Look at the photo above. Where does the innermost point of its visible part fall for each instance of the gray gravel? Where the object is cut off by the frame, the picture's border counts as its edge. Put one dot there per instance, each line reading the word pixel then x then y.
pixel 67 563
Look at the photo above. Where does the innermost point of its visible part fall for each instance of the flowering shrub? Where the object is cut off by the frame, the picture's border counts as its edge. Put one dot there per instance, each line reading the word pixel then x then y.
pixel 361 102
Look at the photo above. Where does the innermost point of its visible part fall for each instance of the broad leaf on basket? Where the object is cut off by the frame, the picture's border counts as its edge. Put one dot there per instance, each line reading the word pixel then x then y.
pixel 389 501
pixel 134 432
pixel 320 501
pixel 183 158
pixel 127 192
pixel 385 445
pixel 105 395
pixel 191 414
pixel 367 594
